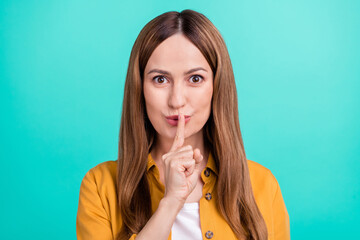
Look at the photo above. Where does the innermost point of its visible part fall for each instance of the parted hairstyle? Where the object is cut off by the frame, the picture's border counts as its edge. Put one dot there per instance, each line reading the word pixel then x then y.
pixel 222 133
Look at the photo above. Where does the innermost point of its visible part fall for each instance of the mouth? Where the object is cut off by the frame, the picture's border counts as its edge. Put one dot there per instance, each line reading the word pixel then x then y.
pixel 173 119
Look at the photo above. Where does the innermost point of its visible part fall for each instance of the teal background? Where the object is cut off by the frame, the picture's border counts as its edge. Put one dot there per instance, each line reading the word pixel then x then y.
pixel 62 72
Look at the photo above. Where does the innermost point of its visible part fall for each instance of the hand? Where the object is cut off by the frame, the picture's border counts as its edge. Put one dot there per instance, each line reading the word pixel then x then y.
pixel 182 166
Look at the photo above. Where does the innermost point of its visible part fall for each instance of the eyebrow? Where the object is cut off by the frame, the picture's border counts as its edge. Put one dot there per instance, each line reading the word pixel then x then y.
pixel 167 73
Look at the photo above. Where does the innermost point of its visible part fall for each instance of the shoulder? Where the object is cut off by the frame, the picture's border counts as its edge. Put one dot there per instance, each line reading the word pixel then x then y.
pixel 102 176
pixel 269 200
pixel 98 214
pixel 104 169
pixel 263 182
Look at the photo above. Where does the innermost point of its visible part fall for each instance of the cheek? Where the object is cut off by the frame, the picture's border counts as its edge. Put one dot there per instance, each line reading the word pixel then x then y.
pixel 202 99
pixel 153 104
pixel 201 102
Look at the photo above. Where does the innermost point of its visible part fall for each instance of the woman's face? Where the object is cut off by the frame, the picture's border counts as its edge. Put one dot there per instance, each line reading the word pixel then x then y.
pixel 178 79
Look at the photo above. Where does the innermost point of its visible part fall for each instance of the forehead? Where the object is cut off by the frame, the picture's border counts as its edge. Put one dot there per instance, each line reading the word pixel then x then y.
pixel 176 52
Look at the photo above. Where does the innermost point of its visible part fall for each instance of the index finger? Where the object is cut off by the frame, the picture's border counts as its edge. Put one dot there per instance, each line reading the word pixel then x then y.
pixel 180 132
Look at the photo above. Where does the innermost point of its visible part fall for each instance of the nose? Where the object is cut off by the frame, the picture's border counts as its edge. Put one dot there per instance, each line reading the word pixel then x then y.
pixel 177 96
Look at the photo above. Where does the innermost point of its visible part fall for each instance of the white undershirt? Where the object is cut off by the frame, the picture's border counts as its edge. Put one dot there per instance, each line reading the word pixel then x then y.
pixel 187 223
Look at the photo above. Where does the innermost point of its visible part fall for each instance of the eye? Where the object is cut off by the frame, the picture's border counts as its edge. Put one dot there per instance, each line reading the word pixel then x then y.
pixel 160 79
pixel 196 79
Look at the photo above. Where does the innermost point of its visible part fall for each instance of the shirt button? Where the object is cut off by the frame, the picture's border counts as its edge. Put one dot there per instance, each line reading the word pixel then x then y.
pixel 208 196
pixel 209 234
pixel 207 172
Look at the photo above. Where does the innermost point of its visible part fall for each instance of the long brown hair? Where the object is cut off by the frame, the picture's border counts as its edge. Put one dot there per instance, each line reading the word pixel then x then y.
pixel 236 201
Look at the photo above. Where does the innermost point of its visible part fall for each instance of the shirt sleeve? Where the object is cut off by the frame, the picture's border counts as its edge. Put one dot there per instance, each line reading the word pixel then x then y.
pixel 92 221
pixel 281 217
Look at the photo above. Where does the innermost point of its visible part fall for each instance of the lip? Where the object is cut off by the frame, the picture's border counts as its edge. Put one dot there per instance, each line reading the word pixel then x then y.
pixel 173 119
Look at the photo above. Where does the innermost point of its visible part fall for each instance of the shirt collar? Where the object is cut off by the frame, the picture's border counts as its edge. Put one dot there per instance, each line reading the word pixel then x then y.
pixel 150 162
pixel 210 163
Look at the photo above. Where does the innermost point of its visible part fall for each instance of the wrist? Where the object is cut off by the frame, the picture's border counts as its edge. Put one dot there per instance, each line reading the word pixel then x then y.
pixel 171 204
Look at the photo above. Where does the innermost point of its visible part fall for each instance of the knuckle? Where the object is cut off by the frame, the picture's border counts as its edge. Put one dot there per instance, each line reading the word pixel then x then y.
pixel 167 155
pixel 192 162
pixel 187 148
pixel 172 164
pixel 167 159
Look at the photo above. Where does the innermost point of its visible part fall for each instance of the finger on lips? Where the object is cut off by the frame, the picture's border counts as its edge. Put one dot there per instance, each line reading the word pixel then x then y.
pixel 180 155
pixel 180 132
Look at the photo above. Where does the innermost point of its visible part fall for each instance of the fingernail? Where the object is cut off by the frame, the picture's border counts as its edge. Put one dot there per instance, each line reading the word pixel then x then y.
pixel 179 116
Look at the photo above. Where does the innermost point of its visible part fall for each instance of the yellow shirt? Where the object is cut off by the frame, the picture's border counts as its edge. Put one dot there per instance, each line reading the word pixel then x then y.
pixel 98 216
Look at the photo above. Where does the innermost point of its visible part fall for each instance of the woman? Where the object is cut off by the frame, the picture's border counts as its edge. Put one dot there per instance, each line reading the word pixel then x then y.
pixel 182 171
